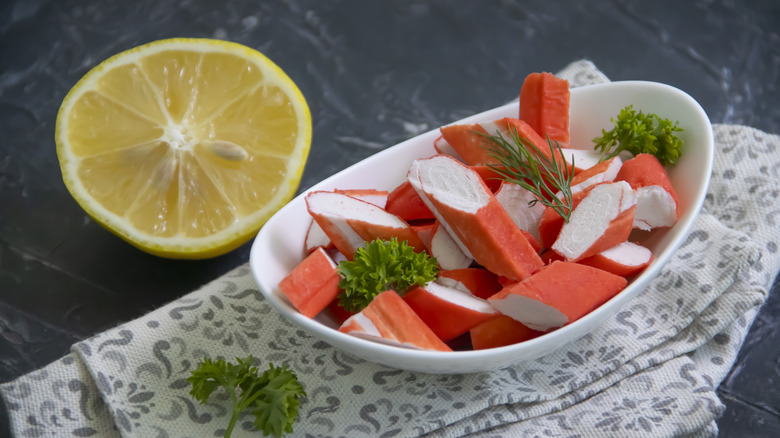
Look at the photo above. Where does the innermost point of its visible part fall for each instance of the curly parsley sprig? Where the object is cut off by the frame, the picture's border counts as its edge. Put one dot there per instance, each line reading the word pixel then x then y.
pixel 641 133
pixel 272 397
pixel 524 164
pixel 381 265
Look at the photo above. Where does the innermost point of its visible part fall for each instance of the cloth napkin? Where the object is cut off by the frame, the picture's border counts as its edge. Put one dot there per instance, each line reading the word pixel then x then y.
pixel 651 369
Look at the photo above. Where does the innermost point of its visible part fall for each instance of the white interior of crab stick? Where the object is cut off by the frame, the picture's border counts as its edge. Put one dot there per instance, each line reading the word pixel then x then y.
pixel 583 158
pixel 534 314
pixel 446 250
pixel 655 207
pixel 315 237
pixel 628 254
pixel 413 176
pixel 592 217
pixel 516 201
pixel 460 190
pixel 458 297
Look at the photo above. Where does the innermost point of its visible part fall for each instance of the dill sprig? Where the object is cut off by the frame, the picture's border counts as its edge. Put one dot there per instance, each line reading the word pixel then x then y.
pixel 522 163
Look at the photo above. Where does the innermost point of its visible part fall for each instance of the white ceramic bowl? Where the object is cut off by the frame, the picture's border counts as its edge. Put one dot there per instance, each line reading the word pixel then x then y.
pixel 279 245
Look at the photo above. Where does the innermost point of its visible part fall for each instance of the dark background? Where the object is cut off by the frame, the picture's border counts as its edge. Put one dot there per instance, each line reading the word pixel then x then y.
pixel 374 74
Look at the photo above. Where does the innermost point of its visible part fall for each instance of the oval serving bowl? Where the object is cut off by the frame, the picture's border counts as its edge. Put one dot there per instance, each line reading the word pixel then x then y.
pixel 279 245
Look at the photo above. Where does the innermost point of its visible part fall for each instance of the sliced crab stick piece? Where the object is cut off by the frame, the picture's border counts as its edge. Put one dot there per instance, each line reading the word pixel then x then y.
pixel 447 311
pixel 625 259
pixel 551 222
pixel 583 159
pixel 316 238
pixel 446 251
pixel 442 147
pixel 470 143
pixel 544 104
pixel 413 177
pixel 603 219
pixel 605 171
pixel 372 196
pixel 470 210
pixel 558 294
pixel 656 205
pixel 312 284
pixel 476 281
pixel 350 222
pixel 500 331
pixel 404 202
pixel 520 205
pixel 388 319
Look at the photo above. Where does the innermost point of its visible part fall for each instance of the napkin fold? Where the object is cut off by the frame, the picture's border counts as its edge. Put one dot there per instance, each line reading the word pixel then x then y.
pixel 651 369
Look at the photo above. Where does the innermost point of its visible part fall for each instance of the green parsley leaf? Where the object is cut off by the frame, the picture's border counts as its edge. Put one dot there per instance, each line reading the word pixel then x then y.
pixel 641 133
pixel 272 397
pixel 381 265
pixel 277 407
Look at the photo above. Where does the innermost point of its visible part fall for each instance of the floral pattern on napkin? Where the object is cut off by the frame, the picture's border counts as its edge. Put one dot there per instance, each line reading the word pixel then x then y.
pixel 650 369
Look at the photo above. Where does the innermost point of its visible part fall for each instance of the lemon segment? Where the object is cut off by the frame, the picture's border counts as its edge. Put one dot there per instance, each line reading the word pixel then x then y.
pixel 184 147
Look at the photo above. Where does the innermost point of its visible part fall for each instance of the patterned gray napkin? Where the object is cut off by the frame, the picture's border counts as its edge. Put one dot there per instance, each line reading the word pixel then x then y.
pixel 651 369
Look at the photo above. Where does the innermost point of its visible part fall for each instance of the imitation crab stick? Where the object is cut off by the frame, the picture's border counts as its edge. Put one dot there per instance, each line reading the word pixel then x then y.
pixel 350 222
pixel 312 284
pixel 605 171
pixel 404 202
pixel 558 294
pixel 372 196
pixel 476 281
pixel 656 204
pixel 413 177
pixel 499 331
pixel 449 312
pixel 465 204
pixel 551 222
pixel 520 205
pixel 316 237
pixel 544 105
pixel 625 259
pixel 604 218
pixel 442 147
pixel 446 251
pixel 583 159
pixel 388 319
pixel 470 143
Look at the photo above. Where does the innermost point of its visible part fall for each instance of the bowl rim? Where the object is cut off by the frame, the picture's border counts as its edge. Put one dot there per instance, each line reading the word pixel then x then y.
pixel 559 337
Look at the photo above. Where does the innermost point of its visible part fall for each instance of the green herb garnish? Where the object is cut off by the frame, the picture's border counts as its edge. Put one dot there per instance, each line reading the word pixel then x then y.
pixel 381 265
pixel 522 163
pixel 271 397
pixel 641 133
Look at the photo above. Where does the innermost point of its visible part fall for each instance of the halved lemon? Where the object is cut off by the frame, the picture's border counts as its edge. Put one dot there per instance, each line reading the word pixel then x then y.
pixel 184 147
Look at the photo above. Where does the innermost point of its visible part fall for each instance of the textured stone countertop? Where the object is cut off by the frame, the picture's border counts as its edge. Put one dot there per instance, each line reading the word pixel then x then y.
pixel 374 74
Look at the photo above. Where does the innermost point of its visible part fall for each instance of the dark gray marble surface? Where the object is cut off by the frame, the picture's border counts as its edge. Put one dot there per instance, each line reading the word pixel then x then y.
pixel 374 74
